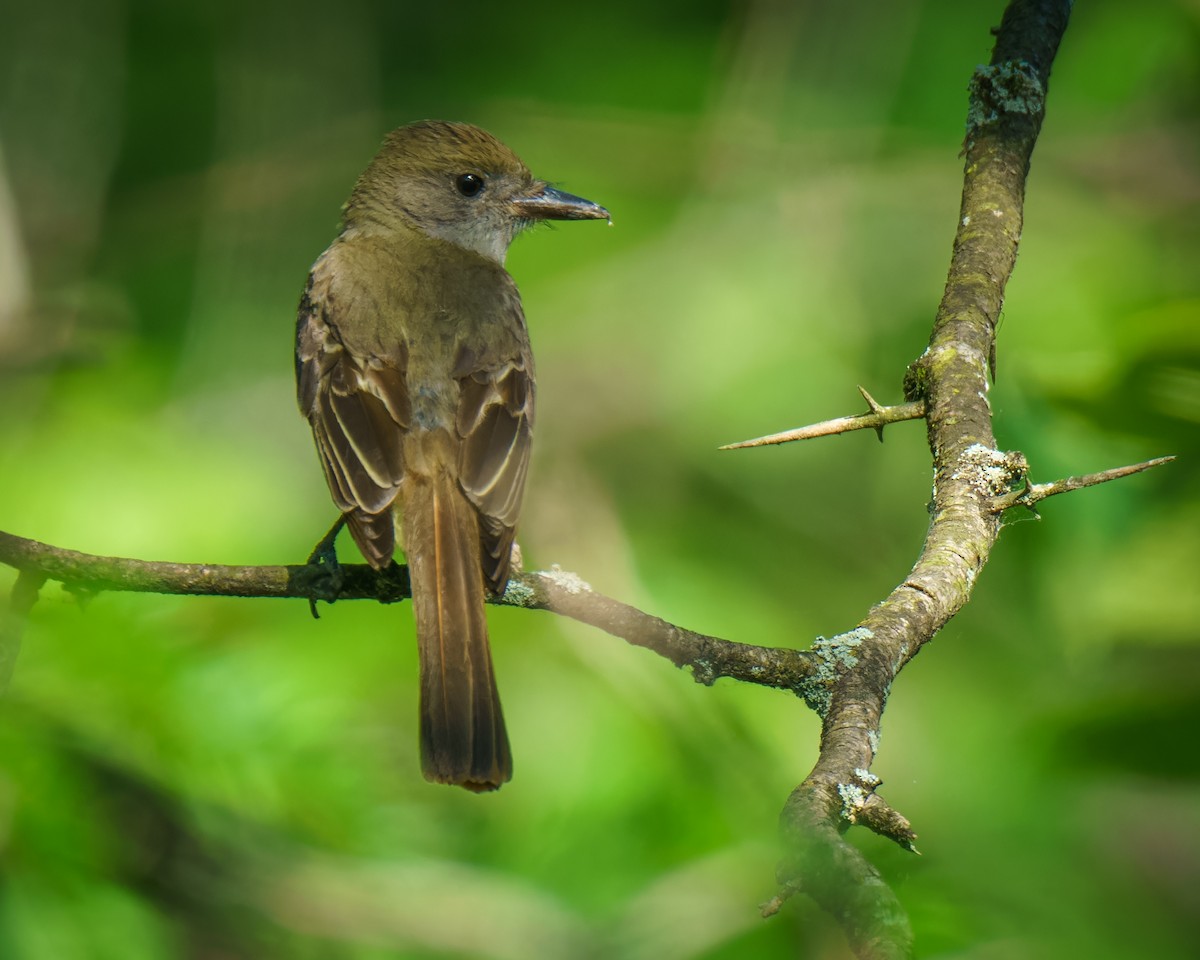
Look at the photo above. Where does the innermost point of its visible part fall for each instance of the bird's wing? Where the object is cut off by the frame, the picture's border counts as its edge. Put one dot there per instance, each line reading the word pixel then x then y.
pixel 359 411
pixel 495 427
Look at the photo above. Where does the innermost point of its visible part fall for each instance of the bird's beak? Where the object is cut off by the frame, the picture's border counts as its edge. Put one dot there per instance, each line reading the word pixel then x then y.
pixel 550 204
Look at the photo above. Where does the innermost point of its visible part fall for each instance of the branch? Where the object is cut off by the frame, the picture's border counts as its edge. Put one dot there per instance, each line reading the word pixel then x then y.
pixel 12 621
pixel 709 658
pixel 879 417
pixel 950 379
pixel 1031 493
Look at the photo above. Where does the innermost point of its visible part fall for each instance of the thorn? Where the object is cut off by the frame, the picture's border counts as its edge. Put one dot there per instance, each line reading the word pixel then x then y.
pixel 874 407
pixel 871 401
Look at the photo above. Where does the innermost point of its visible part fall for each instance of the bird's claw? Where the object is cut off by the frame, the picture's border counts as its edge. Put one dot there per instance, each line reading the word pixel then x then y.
pixel 328 576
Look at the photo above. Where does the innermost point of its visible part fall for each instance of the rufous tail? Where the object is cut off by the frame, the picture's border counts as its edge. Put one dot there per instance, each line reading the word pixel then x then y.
pixel 463 740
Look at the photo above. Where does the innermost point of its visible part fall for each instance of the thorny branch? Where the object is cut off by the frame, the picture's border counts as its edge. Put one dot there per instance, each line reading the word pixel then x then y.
pixel 876 419
pixel 846 678
pixel 1032 493
pixel 1007 105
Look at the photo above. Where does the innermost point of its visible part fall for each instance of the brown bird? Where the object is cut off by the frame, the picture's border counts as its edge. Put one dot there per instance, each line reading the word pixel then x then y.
pixel 414 369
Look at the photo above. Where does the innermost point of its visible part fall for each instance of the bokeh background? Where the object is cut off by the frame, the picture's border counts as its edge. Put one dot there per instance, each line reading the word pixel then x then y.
pixel 220 779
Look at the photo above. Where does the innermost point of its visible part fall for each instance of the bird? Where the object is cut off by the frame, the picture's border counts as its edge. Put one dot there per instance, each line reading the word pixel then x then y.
pixel 415 372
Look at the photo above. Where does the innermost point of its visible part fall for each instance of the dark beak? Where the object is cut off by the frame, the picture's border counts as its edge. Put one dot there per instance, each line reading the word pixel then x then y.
pixel 551 204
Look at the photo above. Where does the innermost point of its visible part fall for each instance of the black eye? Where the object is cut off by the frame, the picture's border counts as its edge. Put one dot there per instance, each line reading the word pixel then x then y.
pixel 469 184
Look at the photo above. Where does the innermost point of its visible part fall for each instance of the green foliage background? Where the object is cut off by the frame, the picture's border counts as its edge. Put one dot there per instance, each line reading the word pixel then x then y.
pixel 210 778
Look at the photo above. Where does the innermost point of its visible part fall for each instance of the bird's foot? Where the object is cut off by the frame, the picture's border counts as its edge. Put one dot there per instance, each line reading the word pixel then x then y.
pixel 327 574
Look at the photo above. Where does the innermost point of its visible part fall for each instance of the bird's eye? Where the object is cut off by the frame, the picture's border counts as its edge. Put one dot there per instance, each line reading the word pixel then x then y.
pixel 469 184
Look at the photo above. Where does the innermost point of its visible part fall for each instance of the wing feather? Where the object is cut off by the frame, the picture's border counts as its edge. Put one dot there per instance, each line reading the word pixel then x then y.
pixel 495 424
pixel 359 410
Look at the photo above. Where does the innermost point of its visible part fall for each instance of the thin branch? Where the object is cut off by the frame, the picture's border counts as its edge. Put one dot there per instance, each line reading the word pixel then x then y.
pixel 775 904
pixel 709 658
pixel 1032 493
pixel 879 417
pixel 880 818
pixel 12 621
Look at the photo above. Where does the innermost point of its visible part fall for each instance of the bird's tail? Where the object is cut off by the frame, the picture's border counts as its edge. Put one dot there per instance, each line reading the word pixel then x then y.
pixel 463 740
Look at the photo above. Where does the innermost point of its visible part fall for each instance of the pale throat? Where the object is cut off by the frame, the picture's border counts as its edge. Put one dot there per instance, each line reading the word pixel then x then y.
pixel 481 235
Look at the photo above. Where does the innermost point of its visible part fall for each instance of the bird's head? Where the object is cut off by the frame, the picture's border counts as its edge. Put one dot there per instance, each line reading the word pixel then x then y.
pixel 458 183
